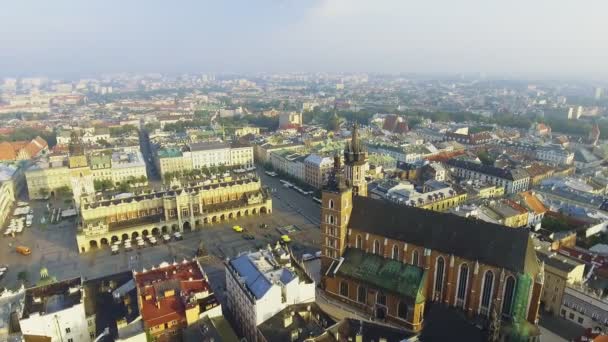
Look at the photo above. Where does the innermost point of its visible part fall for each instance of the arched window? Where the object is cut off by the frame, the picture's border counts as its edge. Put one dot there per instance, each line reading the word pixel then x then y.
pixel 376 249
pixel 330 219
pixel 380 298
pixel 507 302
pixel 359 242
pixel 362 295
pixel 486 293
pixel 402 310
pixel 439 269
pixel 395 254
pixel 331 204
pixel 463 280
pixel 343 289
pixel 415 258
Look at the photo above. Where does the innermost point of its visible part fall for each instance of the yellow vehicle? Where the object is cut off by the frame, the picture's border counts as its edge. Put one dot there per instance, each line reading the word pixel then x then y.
pixel 23 250
pixel 285 238
pixel 237 229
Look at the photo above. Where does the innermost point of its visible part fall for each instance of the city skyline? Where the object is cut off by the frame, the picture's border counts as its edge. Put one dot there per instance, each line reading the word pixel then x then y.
pixel 543 39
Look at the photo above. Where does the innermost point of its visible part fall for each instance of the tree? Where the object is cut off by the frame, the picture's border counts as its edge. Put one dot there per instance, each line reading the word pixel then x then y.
pixel 152 126
pixel 23 276
pixel 102 184
pixel 555 224
pixel 123 187
pixel 63 191
pixel 486 158
pixel 494 323
pixel 44 192
pixel 334 123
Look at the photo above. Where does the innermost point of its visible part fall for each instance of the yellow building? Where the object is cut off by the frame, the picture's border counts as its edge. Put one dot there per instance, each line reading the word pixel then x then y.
pixel 443 204
pixel 239 132
pixel 491 191
pixel 203 155
pixel 505 212
pixel 437 200
pixel 172 160
pixel 560 271
pixel 45 177
pixel 106 220
pixel 7 198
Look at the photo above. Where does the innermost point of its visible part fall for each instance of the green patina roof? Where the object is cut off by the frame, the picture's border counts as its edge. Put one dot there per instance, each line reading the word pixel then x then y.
pixel 100 160
pixel 386 274
pixel 169 153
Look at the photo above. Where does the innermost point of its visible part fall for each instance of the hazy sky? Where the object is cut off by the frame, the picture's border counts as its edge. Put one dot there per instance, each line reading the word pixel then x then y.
pixel 560 37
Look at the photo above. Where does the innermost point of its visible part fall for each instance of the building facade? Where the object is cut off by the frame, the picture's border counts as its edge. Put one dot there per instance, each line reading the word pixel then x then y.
pixel 174 296
pixel 514 181
pixel 261 284
pixel 387 261
pixel 583 307
pixel 55 312
pixel 10 181
pixel 560 272
pixel 203 155
pixel 317 169
pixel 106 220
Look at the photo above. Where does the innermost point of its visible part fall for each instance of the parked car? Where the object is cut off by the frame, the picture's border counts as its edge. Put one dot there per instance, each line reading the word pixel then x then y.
pixel 248 237
pixel 166 238
pixel 115 249
pixel 237 229
pixel 24 250
pixel 263 226
pixel 178 236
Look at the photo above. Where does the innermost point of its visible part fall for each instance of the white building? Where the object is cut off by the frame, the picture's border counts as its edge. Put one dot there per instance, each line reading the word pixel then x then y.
pixel 261 284
pixel 555 155
pixel 514 181
pixel 9 188
pixel 127 166
pixel 56 311
pixel 584 307
pixel 10 301
pixel 208 154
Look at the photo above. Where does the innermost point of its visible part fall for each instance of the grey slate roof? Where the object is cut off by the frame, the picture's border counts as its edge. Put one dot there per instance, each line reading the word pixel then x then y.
pixel 255 281
pixel 514 174
pixel 203 146
pixel 488 243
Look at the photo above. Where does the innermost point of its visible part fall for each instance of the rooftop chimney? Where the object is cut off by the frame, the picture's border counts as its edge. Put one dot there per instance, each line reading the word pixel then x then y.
pixel 287 319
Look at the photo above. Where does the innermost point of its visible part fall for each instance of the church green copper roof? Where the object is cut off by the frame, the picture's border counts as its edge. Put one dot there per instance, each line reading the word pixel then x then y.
pixel 385 274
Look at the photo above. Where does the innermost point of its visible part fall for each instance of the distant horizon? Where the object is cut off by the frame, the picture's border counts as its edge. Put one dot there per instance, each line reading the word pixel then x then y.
pixel 548 39
pixel 431 76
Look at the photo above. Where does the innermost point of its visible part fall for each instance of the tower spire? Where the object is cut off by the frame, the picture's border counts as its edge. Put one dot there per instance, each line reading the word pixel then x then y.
pixel 355 161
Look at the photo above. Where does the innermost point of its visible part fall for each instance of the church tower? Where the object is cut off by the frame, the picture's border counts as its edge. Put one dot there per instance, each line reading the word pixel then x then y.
pixel 355 163
pixel 336 207
pixel 81 177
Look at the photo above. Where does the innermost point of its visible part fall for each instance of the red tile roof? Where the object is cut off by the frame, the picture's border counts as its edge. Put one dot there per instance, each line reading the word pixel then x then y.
pixel 11 150
pixel 7 152
pixel 154 287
